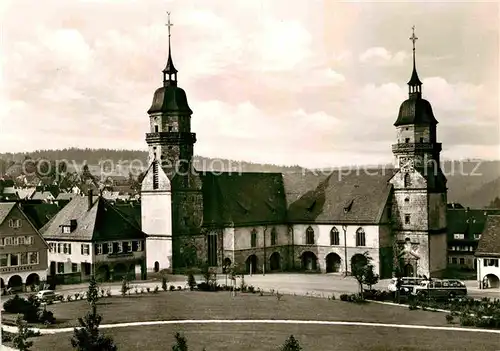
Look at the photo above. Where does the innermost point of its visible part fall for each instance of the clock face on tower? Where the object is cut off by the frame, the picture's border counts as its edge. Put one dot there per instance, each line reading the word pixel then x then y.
pixel 406 164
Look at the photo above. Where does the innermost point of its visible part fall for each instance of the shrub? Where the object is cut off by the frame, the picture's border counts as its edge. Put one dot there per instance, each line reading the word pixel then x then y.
pixel 333 297
pixel 7 336
pixel 148 289
pixel 136 291
pixel 124 287
pixel 204 286
pixel 14 305
pixel 155 291
pixel 413 305
pixel 344 297
pixel 466 320
pixel 77 295
pixel 108 292
pixel 449 318
pixel 171 288
pixel 103 293
pixel 179 287
pixel 191 281
pixel 142 290
pixel 46 317
pixel 251 289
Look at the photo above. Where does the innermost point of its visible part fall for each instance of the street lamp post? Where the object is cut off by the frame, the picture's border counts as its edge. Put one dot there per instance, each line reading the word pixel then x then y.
pixel 344 228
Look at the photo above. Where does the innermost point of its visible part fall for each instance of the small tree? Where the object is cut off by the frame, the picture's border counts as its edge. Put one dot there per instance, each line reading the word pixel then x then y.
pixel 191 281
pixel 88 337
pixel 20 340
pixel 180 343
pixel 359 270
pixel 370 278
pixel 291 344
pixel 164 283
pixel 93 291
pixel 124 287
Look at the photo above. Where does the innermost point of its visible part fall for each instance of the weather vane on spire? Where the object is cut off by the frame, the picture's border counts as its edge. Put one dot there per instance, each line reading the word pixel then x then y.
pixel 413 38
pixel 169 24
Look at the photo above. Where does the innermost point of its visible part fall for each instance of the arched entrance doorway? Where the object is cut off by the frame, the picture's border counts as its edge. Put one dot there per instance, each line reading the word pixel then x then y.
pixel 157 267
pixel 358 259
pixel 408 270
pixel 275 261
pixel 226 265
pixel 251 264
pixel 102 273
pixel 493 281
pixel 15 282
pixel 33 280
pixel 309 261
pixel 333 262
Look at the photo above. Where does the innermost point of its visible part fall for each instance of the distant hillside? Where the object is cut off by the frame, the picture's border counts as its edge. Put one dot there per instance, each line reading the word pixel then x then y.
pixel 471 183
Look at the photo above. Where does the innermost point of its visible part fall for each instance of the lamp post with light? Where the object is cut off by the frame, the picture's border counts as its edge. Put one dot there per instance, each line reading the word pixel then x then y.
pixel 344 228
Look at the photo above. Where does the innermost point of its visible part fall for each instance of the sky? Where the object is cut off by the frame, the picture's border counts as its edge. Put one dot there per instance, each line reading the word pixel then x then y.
pixel 313 83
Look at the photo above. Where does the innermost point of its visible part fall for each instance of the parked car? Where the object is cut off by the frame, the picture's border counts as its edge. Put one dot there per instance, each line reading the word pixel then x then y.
pixel 407 284
pixel 439 289
pixel 47 296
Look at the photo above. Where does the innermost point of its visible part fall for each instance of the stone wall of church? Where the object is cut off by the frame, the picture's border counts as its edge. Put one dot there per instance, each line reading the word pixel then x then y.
pixel 412 248
pixel 437 211
pixel 412 203
pixel 438 254
pixel 189 252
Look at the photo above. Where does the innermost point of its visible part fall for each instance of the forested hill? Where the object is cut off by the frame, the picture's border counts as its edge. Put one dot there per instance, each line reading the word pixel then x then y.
pixel 472 183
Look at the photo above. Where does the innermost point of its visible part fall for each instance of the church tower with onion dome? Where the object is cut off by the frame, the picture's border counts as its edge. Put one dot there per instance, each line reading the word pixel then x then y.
pixel 419 200
pixel 171 196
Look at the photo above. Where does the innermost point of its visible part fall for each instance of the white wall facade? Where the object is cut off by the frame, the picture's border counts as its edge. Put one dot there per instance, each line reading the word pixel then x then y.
pixel 489 268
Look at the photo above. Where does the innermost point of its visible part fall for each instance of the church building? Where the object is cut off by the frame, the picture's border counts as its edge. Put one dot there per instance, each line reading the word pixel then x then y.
pixel 305 221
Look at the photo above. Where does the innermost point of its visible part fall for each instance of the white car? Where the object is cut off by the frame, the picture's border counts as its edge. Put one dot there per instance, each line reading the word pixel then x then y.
pixel 407 284
pixel 46 296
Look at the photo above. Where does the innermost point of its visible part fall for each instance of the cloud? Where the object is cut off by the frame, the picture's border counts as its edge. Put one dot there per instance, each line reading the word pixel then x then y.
pixel 382 57
pixel 262 79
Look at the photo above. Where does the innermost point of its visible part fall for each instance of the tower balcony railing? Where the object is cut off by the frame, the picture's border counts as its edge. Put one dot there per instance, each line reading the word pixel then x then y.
pixel 167 137
pixel 416 147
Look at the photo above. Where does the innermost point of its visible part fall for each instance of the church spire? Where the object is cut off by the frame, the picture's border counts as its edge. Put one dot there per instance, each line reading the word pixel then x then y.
pixel 415 85
pixel 169 73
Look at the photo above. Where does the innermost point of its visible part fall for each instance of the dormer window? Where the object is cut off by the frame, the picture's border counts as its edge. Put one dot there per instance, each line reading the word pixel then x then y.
pixel 66 229
pixel 14 223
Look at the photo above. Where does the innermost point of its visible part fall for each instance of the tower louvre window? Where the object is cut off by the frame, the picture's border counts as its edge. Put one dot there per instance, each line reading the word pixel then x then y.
pixel 407 140
pixel 155 175
pixel 407 180
pixel 156 129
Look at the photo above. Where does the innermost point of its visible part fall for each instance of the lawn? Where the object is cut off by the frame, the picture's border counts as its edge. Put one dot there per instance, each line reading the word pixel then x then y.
pixel 179 305
pixel 175 305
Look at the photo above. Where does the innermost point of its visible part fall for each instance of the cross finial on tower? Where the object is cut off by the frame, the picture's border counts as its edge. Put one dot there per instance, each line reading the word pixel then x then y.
pixel 413 38
pixel 169 73
pixel 414 83
pixel 169 24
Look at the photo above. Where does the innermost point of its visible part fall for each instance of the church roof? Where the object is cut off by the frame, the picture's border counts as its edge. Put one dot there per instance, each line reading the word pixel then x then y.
pixel 415 110
pixel 170 99
pixel 358 197
pixel 100 222
pixel 243 198
pixel 489 243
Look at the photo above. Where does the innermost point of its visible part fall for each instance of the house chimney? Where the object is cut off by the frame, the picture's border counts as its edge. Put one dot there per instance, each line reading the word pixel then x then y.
pixel 90 199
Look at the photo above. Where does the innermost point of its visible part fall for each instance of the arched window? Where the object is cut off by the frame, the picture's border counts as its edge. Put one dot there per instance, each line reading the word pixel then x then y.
pixel 334 237
pixel 407 200
pixel 309 236
pixel 360 237
pixel 253 238
pixel 273 236
pixel 407 180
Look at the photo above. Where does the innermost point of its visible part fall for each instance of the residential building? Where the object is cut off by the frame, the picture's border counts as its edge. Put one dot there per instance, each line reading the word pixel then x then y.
pixel 465 227
pixel 23 251
pixel 488 254
pixel 90 236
